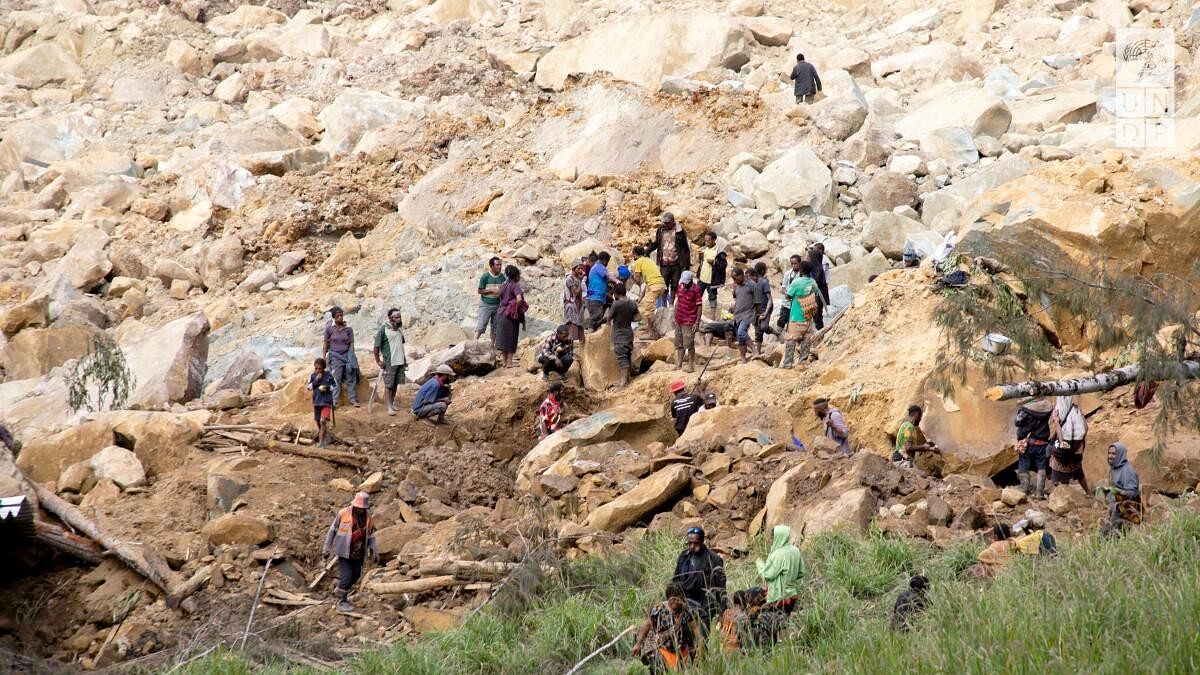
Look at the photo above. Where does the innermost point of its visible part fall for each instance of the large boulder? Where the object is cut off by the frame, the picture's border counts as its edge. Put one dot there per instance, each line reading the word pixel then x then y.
pixel 473 357
pixel 34 352
pixel 42 64
pixel 956 105
pixel 649 494
pixel 159 439
pixel 839 117
pixel 222 261
pixel 44 458
pixel 815 497
pixel 598 364
pixel 644 48
pixel 856 274
pixel 168 363
pixel 1064 104
pixel 227 480
pixel 799 180
pixel 238 529
pixel 622 422
pixel 445 12
pixel 955 145
pixel 242 373
pixel 887 231
pixel 118 465
pixel 244 19
pixel 355 112
pixel 712 430
pixel 30 313
pixel 887 190
pixel 946 208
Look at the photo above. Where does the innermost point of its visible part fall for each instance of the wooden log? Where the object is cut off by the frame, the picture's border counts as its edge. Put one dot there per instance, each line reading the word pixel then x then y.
pixel 335 456
pixel 414 586
pixel 71 544
pixel 194 583
pixel 75 518
pixel 466 569
pixel 1106 381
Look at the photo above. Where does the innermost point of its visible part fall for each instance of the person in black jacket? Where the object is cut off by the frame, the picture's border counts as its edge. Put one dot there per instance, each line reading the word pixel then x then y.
pixel 816 258
pixel 1033 443
pixel 808 83
pixel 910 603
pixel 672 253
pixel 701 572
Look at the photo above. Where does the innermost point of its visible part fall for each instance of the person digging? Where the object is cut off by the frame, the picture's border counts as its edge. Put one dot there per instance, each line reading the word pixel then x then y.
pixel 352 538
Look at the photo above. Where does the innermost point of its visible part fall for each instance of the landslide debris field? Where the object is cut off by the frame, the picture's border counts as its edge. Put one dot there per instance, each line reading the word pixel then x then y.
pixel 199 182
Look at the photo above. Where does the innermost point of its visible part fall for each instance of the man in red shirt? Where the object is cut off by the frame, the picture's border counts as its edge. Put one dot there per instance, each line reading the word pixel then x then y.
pixel 687 319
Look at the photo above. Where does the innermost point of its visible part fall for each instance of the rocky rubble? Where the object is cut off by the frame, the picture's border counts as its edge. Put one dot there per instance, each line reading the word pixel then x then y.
pixel 203 181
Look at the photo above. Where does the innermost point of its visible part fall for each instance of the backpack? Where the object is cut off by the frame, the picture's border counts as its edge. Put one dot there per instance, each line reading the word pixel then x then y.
pixel 809 304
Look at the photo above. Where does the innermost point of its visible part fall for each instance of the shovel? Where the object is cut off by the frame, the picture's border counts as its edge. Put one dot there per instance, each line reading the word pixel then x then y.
pixel 374 392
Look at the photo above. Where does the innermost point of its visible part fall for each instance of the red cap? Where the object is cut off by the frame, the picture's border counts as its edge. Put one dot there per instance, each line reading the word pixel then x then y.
pixel 678 386
pixel 361 500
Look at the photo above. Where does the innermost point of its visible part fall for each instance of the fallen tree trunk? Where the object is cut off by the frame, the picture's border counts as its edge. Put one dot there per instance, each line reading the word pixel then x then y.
pixel 1084 385
pixel 75 518
pixel 335 456
pixel 72 544
pixel 415 586
pixel 466 569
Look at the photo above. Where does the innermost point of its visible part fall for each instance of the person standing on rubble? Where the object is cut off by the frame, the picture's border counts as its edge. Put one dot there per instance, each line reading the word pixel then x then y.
pixel 701 573
pixel 339 354
pixel 1033 443
pixel 910 439
pixel 622 314
pixel 648 275
pixel 807 82
pixel 816 258
pixel 674 254
pixel 489 299
pixel 389 354
pixel 352 538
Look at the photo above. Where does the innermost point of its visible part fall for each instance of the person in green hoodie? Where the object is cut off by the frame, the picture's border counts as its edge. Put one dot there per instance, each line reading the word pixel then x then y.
pixel 783 567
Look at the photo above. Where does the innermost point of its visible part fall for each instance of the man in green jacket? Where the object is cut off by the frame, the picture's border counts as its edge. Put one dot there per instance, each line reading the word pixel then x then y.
pixel 389 354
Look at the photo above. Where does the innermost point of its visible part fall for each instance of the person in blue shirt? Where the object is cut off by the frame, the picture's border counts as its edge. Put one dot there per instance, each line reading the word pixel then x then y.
pixel 597 291
pixel 433 397
pixel 324 390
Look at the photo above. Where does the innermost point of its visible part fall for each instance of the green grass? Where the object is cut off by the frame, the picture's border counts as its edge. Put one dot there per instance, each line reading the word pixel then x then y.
pixel 1100 607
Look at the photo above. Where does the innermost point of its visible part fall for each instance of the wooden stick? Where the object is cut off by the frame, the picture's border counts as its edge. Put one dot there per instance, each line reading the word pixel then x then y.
pixel 335 456
pixel 254 606
pixel 593 655
pixel 73 517
pixel 193 584
pixel 328 566
pixel 237 427
pixel 465 569
pixel 414 586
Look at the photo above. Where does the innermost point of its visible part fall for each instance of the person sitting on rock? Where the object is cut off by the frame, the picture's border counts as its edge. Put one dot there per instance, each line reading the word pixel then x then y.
pixel 557 352
pixel 622 314
pixel 992 558
pixel 910 603
pixel 324 392
pixel 783 567
pixel 668 639
pixel 549 417
pixel 910 439
pixel 433 398
pixel 701 572
pixel 1124 493
pixel 683 406
pixel 352 538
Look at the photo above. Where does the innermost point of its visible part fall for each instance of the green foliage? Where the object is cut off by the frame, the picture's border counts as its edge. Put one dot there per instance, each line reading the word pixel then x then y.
pixel 1101 606
pixel 100 379
pixel 1119 314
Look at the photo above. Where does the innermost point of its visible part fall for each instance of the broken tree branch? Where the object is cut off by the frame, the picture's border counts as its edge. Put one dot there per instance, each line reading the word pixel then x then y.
pixel 465 569
pixel 193 584
pixel 75 518
pixel 335 456
pixel 1084 385
pixel 601 650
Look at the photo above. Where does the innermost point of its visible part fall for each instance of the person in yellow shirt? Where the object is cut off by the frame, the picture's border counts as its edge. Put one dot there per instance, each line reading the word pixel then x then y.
pixel 712 271
pixel 647 275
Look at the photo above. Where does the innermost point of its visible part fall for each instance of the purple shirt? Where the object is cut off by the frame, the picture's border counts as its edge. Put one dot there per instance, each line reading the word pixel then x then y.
pixel 339 338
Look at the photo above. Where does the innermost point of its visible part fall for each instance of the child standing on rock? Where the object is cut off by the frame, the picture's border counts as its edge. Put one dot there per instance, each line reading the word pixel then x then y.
pixel 324 392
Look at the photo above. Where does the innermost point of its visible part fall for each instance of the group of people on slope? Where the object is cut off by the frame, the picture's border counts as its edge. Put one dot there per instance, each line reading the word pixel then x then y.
pixel 676 629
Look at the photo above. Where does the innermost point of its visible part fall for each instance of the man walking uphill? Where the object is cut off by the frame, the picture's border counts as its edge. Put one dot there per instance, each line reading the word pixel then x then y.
pixel 673 253
pixel 807 82
pixel 352 538
pixel 389 354
pixel 489 299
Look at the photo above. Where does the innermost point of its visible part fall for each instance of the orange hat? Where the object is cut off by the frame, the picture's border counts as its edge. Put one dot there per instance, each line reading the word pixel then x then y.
pixel 361 500
pixel 678 386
